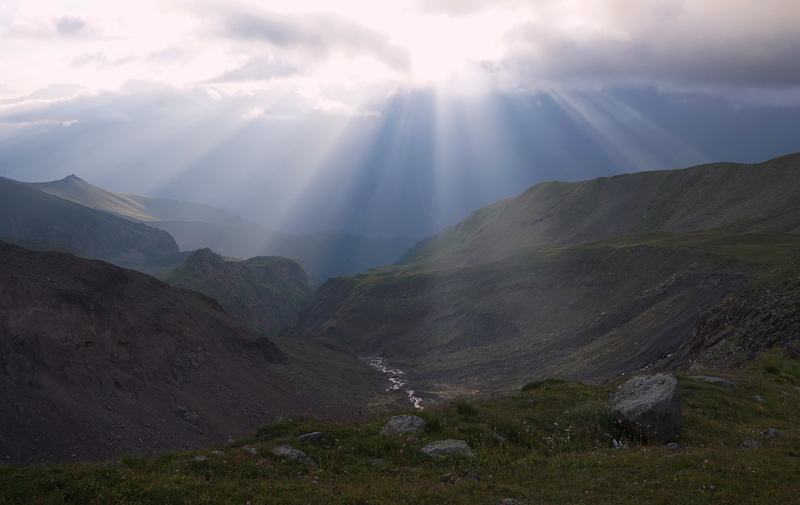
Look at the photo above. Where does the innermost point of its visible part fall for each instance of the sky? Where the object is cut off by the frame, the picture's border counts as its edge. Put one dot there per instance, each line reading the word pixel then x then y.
pixel 387 118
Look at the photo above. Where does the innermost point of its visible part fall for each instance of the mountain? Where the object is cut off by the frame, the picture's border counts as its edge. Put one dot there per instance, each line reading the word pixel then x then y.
pixel 96 360
pixel 755 198
pixel 40 220
pixel 323 255
pixel 196 226
pixel 583 280
pixel 133 207
pixel 266 292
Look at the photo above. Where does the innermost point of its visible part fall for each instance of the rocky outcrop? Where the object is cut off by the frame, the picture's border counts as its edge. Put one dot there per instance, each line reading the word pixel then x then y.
pixel 266 292
pixel 649 407
pixel 445 448
pixel 403 425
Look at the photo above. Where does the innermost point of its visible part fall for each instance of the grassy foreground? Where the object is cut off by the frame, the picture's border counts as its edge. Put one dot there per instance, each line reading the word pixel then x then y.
pixel 550 444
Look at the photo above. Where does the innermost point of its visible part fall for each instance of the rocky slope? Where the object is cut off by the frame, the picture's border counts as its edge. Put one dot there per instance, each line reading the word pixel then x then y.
pixel 41 220
pixel 266 292
pixel 96 360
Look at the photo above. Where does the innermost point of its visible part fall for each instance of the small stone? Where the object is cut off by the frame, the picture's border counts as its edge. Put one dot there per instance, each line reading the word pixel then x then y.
pixel 444 448
pixel 772 433
pixel 250 450
pixel 292 454
pixel 380 464
pixel 673 446
pixel 509 501
pixel 403 424
pixel 217 453
pixel 758 398
pixel 315 437
pixel 199 458
pixel 749 444
pixel 617 444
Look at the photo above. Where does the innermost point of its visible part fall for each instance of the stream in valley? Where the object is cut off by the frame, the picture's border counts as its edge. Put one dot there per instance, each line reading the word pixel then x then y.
pixel 398 381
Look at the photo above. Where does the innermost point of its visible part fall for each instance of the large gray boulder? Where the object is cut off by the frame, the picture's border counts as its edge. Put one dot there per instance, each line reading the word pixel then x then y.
pixel 403 424
pixel 649 406
pixel 290 453
pixel 444 448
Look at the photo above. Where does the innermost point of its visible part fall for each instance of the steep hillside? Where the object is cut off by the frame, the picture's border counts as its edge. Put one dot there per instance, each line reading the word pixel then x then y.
pixel 41 220
pixel 96 360
pixel 741 198
pixel 266 292
pixel 134 207
pixel 584 281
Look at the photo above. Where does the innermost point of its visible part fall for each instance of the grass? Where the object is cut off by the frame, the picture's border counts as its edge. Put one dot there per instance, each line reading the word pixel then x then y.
pixel 549 444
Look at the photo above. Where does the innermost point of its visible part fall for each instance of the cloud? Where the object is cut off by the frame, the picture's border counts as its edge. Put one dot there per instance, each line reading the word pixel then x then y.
pixel 69 25
pixel 100 60
pixel 317 34
pixel 257 69
pixel 712 44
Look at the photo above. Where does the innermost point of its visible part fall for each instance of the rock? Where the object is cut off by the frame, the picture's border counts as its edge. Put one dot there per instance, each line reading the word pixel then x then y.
pixel 380 464
pixel 509 501
pixel 749 444
pixel 403 424
pixel 649 406
pixel 772 433
pixel 673 446
pixel 617 444
pixel 217 453
pixel 758 398
pixel 199 458
pixel 792 350
pixel 315 437
pixel 250 450
pixel 443 448
pixel 292 454
pixel 719 381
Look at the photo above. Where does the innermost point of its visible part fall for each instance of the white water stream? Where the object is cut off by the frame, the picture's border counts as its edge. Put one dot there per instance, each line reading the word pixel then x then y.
pixel 397 380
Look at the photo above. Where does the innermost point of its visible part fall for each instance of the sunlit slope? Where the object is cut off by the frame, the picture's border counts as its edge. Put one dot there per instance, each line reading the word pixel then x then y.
pixel 266 291
pixel 41 220
pixel 135 207
pixel 756 198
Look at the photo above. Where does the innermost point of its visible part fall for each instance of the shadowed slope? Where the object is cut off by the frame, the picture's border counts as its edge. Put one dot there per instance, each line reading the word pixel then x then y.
pixel 96 360
pixel 40 220
pixel 266 292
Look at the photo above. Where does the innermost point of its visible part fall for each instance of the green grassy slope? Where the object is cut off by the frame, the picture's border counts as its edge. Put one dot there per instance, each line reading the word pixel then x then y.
pixel 758 198
pixel 588 312
pixel 550 444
